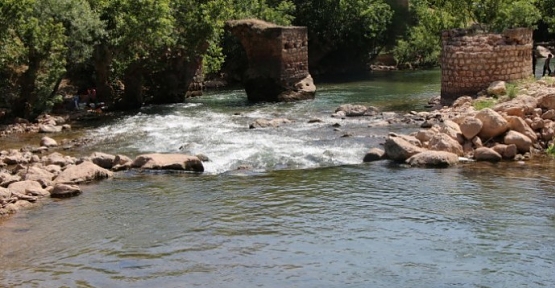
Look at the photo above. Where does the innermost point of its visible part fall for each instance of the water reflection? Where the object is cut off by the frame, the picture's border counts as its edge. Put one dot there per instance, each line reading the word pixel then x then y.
pixel 366 225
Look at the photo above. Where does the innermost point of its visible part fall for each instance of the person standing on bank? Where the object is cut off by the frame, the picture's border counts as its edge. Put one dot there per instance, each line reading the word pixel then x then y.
pixel 546 65
pixel 534 61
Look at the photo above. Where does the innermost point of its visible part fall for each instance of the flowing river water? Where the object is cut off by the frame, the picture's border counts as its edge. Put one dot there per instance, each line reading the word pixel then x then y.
pixel 308 213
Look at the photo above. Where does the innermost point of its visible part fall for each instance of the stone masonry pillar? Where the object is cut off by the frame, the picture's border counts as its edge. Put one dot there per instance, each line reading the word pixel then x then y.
pixel 470 61
pixel 278 61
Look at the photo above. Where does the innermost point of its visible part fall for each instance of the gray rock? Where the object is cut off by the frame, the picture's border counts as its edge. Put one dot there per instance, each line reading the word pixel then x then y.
pixel 28 187
pixel 398 149
pixel 443 142
pixel 352 110
pixel 433 159
pixel 264 123
pixel 522 142
pixel 65 191
pixel 470 127
pixel 103 160
pixel 493 124
pixel 375 154
pixel 47 128
pixel 84 172
pixel 48 142
pixel 168 161
pixel 39 174
pixel 486 154
pixel 7 179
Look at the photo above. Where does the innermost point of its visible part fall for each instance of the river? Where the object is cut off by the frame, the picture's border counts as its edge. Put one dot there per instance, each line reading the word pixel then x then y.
pixel 308 213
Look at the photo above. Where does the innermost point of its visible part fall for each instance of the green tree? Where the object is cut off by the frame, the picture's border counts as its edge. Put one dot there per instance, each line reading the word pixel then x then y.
pixel 135 35
pixel 346 32
pixel 421 46
pixel 547 8
pixel 39 38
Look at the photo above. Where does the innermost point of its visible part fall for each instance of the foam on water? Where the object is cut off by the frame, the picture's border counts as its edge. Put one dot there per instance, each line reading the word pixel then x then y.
pixel 225 138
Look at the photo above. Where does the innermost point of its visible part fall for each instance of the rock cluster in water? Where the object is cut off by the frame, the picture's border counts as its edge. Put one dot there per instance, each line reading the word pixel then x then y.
pixel 26 175
pixel 45 124
pixel 513 129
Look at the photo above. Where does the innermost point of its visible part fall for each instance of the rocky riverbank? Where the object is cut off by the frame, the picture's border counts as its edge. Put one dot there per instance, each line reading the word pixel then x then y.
pixel 511 124
pixel 27 175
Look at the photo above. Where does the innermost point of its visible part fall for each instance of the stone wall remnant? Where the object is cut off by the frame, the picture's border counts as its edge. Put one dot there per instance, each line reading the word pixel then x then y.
pixel 278 61
pixel 472 60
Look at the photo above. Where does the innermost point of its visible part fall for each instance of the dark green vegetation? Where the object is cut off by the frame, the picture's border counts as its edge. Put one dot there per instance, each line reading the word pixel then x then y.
pixel 137 52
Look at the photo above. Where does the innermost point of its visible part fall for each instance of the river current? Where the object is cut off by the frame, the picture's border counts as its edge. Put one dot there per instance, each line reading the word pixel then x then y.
pixel 308 214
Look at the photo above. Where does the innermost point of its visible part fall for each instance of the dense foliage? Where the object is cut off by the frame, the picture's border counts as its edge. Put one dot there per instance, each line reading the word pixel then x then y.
pixel 421 45
pixel 344 28
pixel 137 51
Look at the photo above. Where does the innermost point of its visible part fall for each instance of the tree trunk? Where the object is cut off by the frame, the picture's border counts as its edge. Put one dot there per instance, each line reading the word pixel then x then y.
pixel 102 59
pixel 133 94
pixel 24 104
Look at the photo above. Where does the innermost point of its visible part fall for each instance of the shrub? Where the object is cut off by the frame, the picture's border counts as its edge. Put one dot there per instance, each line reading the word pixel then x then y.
pixel 484 103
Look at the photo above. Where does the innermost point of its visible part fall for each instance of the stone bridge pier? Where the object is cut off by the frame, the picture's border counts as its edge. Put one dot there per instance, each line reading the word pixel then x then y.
pixel 472 60
pixel 277 61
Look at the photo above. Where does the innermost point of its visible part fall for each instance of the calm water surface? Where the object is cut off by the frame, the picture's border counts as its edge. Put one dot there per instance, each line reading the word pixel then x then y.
pixel 309 214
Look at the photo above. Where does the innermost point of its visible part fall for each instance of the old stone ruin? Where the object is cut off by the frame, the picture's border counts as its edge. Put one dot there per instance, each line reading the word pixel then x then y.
pixel 471 60
pixel 277 61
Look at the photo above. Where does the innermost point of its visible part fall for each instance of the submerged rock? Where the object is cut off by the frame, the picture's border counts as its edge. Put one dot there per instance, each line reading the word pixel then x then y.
pixel 65 191
pixel 84 172
pixel 433 159
pixel 168 162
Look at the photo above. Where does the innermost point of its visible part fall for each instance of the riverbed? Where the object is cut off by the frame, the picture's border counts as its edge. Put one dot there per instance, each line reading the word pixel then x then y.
pixel 307 212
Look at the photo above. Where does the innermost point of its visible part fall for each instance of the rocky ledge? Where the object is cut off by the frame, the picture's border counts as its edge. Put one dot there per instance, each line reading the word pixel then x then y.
pixel 27 176
pixel 510 128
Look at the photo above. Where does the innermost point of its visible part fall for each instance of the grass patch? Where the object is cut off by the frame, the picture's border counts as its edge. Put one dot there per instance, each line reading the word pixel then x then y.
pixel 480 104
pixel 551 150
pixel 549 80
pixel 512 90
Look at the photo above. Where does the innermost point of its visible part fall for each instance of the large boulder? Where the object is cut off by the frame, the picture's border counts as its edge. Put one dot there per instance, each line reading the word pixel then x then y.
pixel 58 159
pixel 497 88
pixel 84 172
pixel 470 127
pixel 519 106
pixel 168 161
pixel 351 110
pixel 493 124
pixel 548 130
pixel 28 187
pixel 506 151
pixel 398 149
pixel 48 142
pixel 433 159
pixel 518 124
pixel 486 154
pixel 409 138
pixel 424 135
pixel 264 123
pixel 547 101
pixel 7 179
pixel 103 160
pixel 47 128
pixel 122 162
pixel 39 174
pixel 443 142
pixel 375 154
pixel 549 114
pixel 522 142
pixel 61 190
pixel 5 193
pixel 452 129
